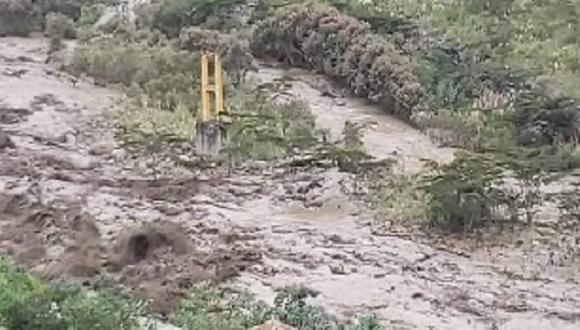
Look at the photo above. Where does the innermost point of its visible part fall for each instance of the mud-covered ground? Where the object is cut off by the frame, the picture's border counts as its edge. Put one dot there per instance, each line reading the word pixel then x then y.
pixel 75 204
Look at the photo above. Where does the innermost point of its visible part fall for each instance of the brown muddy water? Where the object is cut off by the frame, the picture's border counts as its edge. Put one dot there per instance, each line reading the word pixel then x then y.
pixel 74 204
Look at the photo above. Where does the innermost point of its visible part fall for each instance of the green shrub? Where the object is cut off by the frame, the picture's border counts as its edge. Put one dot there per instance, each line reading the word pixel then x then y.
pixel 59 27
pixel 16 17
pixel 233 50
pixel 463 195
pixel 170 16
pixel 399 200
pixel 214 308
pixel 26 304
pixel 166 76
pixel 542 119
pixel 90 14
pixel 208 307
pixel 569 205
pixel 68 8
pixel 291 308
pixel 265 130
pixel 319 37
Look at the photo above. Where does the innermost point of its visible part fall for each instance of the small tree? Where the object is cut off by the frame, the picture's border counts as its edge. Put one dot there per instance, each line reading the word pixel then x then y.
pixel 59 27
pixel 463 194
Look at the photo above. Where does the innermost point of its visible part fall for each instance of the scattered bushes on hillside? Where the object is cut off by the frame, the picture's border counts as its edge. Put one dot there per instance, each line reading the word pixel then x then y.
pixel 478 189
pixel 463 50
pixel 319 37
pixel 165 76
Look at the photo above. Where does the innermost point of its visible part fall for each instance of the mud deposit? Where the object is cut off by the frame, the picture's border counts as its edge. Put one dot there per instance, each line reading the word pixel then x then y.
pixel 71 207
pixel 74 204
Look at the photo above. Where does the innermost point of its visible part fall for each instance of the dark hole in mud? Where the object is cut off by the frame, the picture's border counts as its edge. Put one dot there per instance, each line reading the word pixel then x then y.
pixel 6 141
pixel 140 246
pixel 143 243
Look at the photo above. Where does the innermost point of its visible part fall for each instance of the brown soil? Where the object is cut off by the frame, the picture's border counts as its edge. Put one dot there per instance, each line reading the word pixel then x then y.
pixel 159 262
pixel 72 207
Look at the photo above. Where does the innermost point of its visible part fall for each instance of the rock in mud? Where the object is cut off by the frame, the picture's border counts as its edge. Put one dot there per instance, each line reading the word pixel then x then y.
pixel 337 269
pixel 70 139
pixel 119 154
pixel 340 103
pixel 9 115
pixel 81 163
pixel 336 239
pixel 6 142
pixel 102 148
pixel 68 161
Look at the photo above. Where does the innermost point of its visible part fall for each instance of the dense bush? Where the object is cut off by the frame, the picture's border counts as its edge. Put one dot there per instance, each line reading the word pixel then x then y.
pixel 543 119
pixel 265 130
pixel 233 50
pixel 58 27
pixel 69 8
pixel 16 17
pixel 470 192
pixel 90 14
pixel 463 195
pixel 19 17
pixel 319 37
pixel 170 16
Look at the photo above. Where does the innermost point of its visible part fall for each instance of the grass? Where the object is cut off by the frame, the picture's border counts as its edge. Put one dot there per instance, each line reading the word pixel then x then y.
pixel 142 122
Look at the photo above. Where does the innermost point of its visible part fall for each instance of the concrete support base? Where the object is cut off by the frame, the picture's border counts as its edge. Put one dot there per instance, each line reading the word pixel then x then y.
pixel 210 137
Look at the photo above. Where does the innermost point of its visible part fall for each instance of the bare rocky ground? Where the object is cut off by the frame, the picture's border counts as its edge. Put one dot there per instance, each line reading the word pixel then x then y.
pixel 74 204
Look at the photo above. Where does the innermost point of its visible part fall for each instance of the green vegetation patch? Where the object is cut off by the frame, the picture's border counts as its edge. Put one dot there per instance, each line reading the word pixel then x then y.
pixel 28 304
pixel 215 308
pixel 321 38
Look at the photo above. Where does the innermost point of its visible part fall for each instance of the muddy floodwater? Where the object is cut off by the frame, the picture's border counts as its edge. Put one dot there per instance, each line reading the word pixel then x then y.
pixel 75 204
